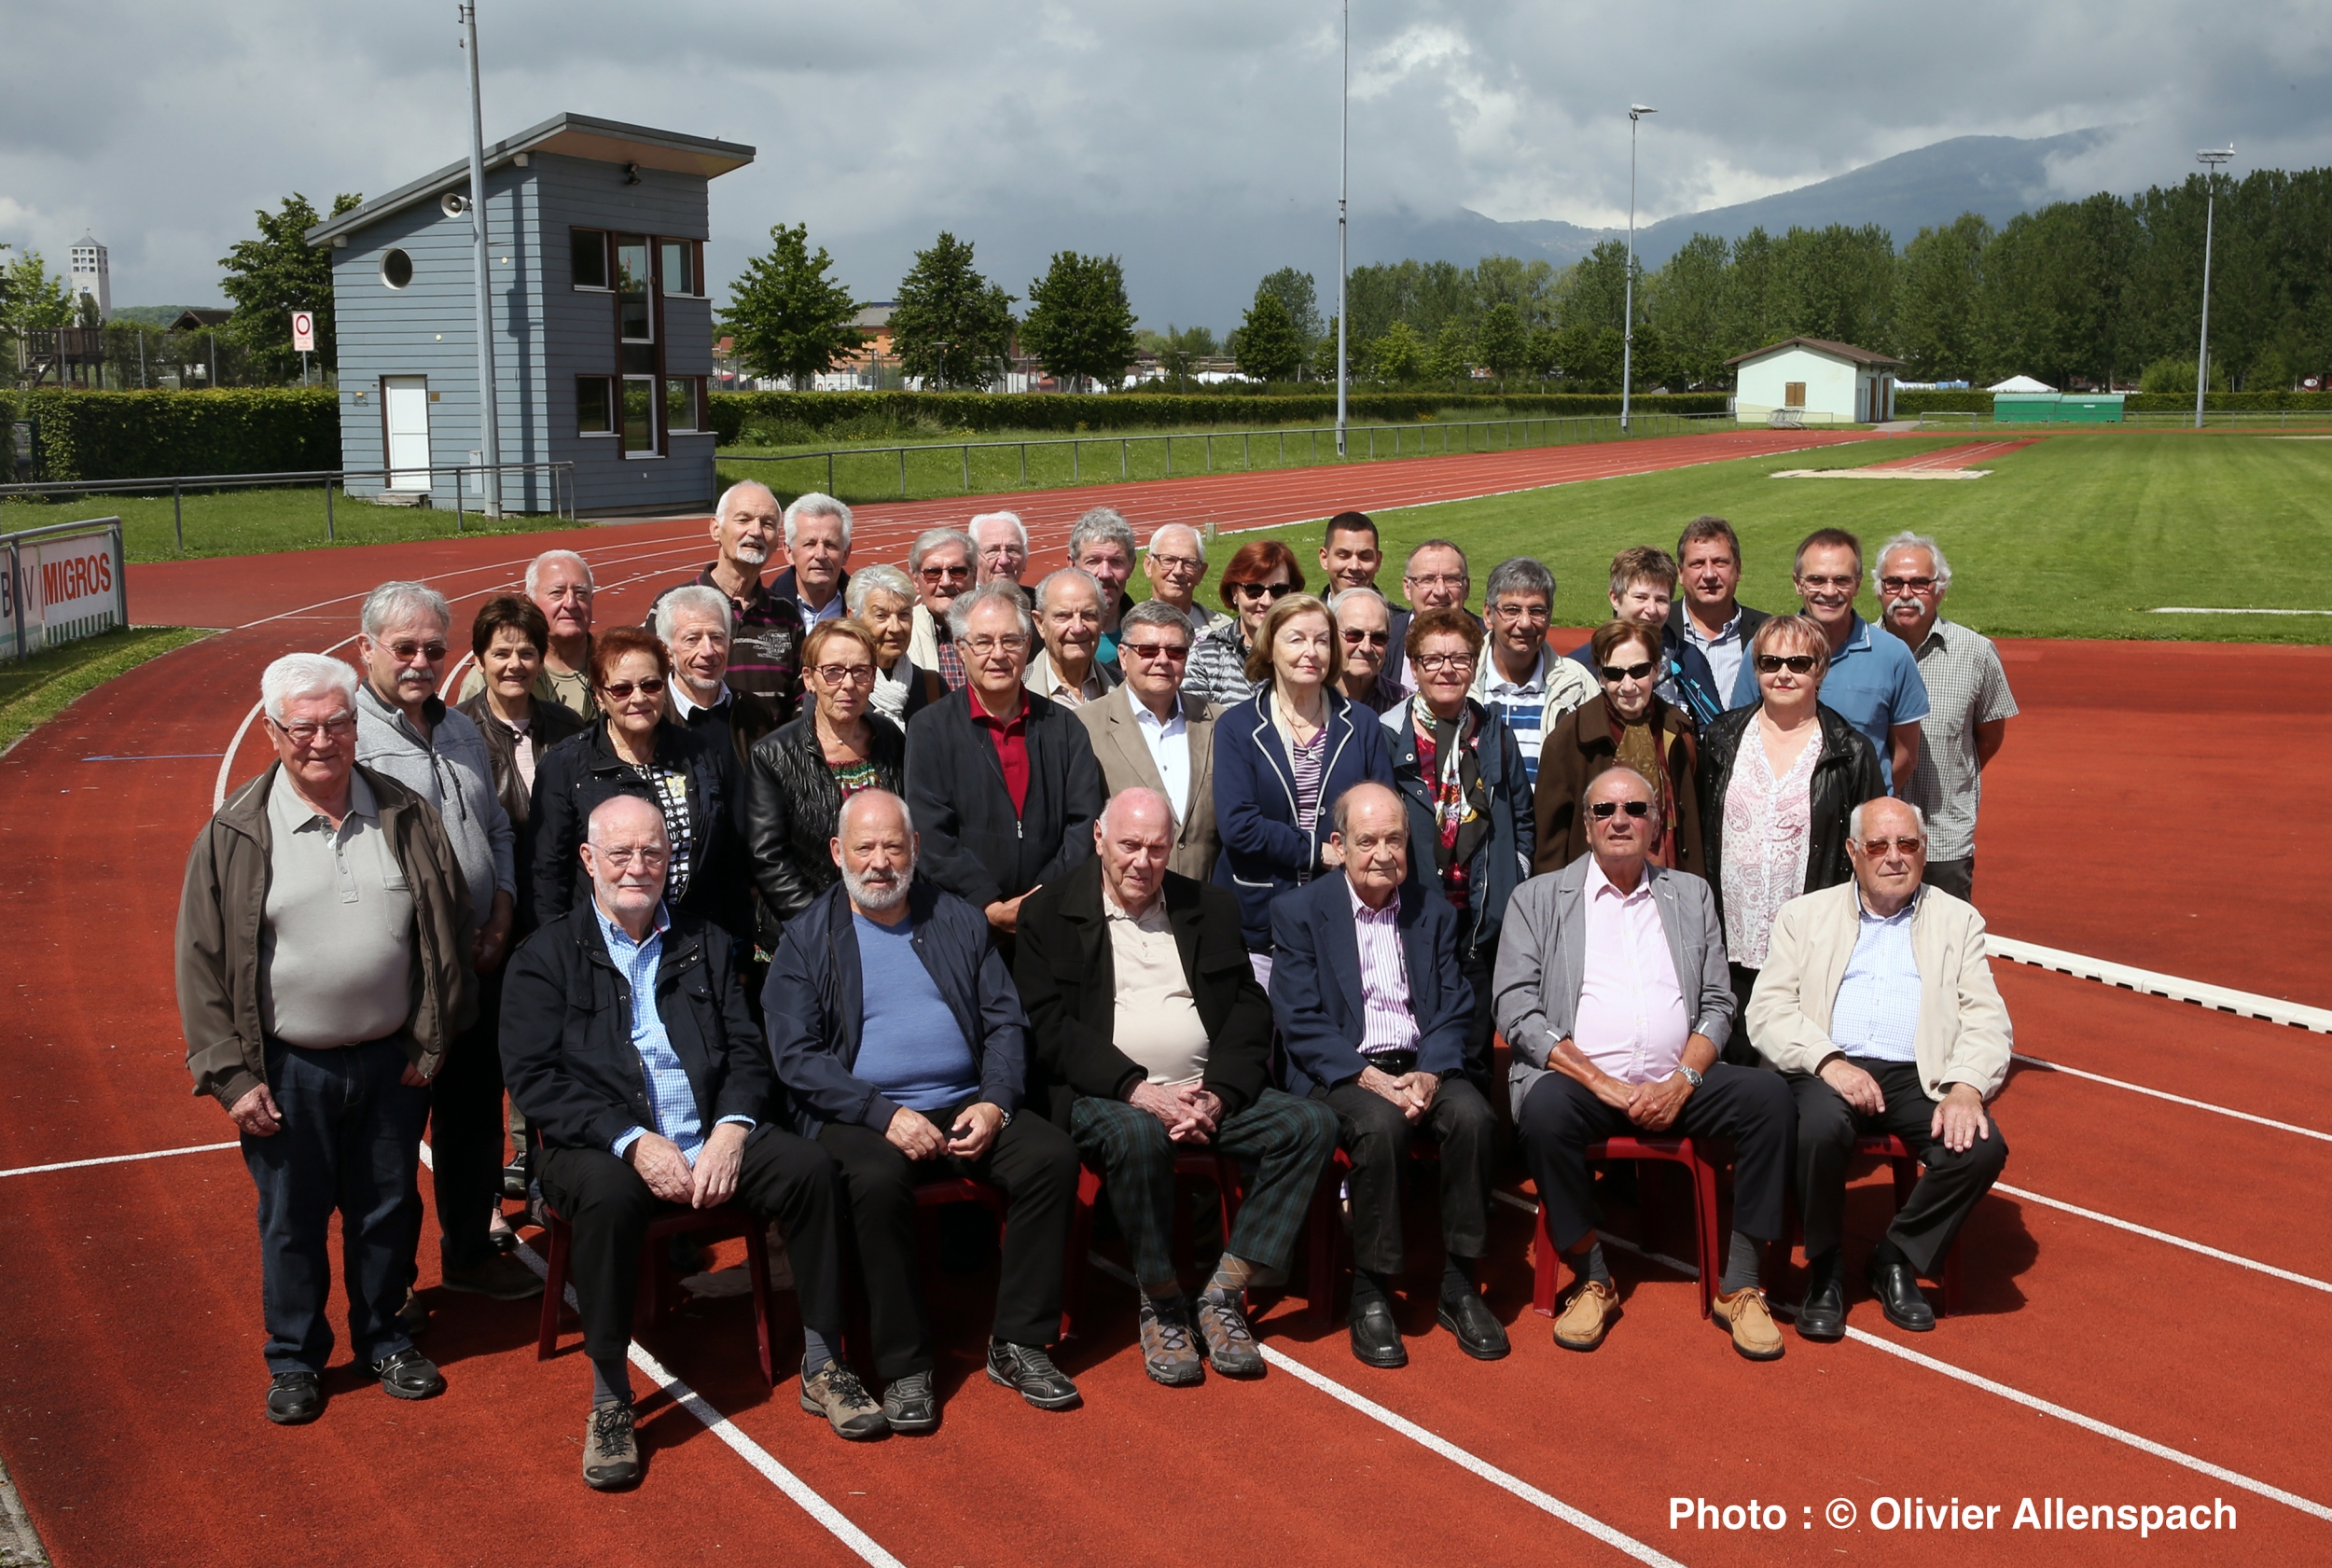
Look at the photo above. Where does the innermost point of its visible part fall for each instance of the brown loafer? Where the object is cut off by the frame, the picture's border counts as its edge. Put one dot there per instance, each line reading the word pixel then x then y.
pixel 1587 1316
pixel 1751 1322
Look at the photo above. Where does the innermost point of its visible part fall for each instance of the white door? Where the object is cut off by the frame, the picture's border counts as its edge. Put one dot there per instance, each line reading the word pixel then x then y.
pixel 405 401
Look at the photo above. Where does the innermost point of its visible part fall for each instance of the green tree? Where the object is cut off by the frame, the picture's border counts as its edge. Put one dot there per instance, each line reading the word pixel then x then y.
pixel 2177 376
pixel 1296 291
pixel 273 275
pixel 31 301
pixel 1936 308
pixel 1079 323
pixel 1502 340
pixel 1452 354
pixel 1685 302
pixel 1324 354
pixel 789 319
pixel 1399 355
pixel 1269 349
pixel 953 325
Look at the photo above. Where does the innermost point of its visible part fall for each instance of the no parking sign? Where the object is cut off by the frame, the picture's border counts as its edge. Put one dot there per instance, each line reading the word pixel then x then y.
pixel 304 331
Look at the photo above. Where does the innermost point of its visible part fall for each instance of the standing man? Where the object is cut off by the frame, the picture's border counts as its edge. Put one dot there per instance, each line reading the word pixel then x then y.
pixel 1707 616
pixel 1523 678
pixel 1001 540
pixel 560 584
pixel 1642 587
pixel 1968 704
pixel 1176 565
pixel 817 541
pixel 941 562
pixel 692 623
pixel 1873 681
pixel 1146 735
pixel 1069 669
pixel 323 972
pixel 405 733
pixel 1436 579
pixel 1102 547
pixel 766 626
pixel 1365 621
pixel 1349 556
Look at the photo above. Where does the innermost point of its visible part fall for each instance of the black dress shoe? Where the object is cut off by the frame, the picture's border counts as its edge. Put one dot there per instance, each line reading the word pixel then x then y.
pixel 294 1399
pixel 1897 1290
pixel 408 1375
pixel 1480 1334
pixel 1823 1314
pixel 1375 1341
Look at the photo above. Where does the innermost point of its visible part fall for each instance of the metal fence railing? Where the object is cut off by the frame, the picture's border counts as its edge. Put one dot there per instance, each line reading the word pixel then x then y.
pixel 1380 441
pixel 560 477
pixel 2216 419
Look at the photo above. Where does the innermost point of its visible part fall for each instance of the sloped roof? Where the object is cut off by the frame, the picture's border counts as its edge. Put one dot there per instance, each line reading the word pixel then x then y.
pixel 2019 383
pixel 1820 346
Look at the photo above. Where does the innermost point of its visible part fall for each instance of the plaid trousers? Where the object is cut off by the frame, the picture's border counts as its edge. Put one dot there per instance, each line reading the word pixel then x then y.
pixel 1285 1139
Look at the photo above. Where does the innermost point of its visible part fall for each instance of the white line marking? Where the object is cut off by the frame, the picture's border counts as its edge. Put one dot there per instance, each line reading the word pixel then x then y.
pixel 118 1159
pixel 2173 1099
pixel 2164 1236
pixel 2198 610
pixel 2129 978
pixel 1690 1271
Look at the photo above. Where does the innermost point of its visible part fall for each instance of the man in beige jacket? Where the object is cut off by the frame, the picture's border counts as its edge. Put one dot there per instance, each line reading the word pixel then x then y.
pixel 1877 1002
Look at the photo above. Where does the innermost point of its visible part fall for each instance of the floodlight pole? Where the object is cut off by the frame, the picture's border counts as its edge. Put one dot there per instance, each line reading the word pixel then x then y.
pixel 2209 157
pixel 1343 192
pixel 489 418
pixel 1627 335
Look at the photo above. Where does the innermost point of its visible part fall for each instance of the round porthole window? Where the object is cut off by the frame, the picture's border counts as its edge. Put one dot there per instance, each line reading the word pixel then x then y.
pixel 396 269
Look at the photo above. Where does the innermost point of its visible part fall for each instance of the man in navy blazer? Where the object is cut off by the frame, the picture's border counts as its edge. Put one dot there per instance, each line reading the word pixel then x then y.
pixel 1373 1011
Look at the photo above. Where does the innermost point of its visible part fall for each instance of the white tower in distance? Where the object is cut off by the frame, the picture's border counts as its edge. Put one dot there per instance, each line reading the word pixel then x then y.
pixel 88 275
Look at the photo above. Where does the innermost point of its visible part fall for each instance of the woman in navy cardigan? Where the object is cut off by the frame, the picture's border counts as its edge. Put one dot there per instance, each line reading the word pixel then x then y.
pixel 1280 760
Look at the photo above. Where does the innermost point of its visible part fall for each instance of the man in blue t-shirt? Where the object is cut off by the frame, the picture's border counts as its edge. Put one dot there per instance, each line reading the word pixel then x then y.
pixel 1873 682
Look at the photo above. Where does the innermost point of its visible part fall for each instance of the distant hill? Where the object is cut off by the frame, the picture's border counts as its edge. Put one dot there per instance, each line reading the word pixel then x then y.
pixel 157 315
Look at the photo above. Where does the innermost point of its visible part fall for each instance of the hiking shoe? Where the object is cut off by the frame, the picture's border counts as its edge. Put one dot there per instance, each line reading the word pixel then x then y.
pixel 611 1451
pixel 1587 1316
pixel 496 1278
pixel 1751 1320
pixel 294 1398
pixel 1168 1354
pixel 1230 1347
pixel 1030 1370
pixel 834 1391
pixel 408 1375
pixel 911 1405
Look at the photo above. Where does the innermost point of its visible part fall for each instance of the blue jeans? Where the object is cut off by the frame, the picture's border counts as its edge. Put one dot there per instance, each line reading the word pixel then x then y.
pixel 349 1142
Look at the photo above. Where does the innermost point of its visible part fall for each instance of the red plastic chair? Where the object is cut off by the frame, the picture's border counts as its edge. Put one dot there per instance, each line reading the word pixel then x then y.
pixel 1194 1164
pixel 1887 1146
pixel 659 1282
pixel 1679 1151
pixel 1325 1226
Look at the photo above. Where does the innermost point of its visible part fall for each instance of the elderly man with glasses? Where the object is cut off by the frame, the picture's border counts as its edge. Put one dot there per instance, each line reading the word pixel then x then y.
pixel 1001 540
pixel 1175 564
pixel 1147 734
pixel 940 561
pixel 559 582
pixel 1878 1004
pixel 1523 678
pixel 324 970
pixel 1436 579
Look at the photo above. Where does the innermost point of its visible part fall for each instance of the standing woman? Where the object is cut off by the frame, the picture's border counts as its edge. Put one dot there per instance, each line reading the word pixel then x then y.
pixel 881 599
pixel 1282 758
pixel 507 640
pixel 1259 576
pixel 1778 781
pixel 801 773
pixel 1629 725
pixel 689 775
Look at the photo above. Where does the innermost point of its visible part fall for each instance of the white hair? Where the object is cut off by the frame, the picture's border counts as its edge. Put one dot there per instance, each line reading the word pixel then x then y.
pixel 1855 818
pixel 1137 795
pixel 815 503
pixel 1020 529
pixel 960 609
pixel 1337 600
pixel 395 601
pixel 1068 574
pixel 699 597
pixel 305 674
pixel 1198 540
pixel 867 581
pixel 1909 540
pixel 720 507
pixel 935 538
pixel 861 797
pixel 535 568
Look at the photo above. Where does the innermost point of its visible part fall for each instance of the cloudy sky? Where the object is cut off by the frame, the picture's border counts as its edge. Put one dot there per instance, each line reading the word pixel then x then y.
pixel 1198 139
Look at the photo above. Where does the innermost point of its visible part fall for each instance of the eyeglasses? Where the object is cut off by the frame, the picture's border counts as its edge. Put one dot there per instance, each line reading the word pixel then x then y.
pixel 1177 652
pixel 1444 580
pixel 1275 592
pixel 1177 563
pixel 652 687
pixel 648 859
pixel 335 729
pixel 1432 661
pixel 407 652
pixel 849 675
pixel 1011 642
pixel 1907 585
pixel 945 573
pixel 1354 637
pixel 1602 809
pixel 1874 848
pixel 1797 663
pixel 1506 611
pixel 1618 672
pixel 1827 582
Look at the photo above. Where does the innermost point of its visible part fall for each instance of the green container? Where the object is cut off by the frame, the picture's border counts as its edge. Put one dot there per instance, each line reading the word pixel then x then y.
pixel 2089 407
pixel 2024 407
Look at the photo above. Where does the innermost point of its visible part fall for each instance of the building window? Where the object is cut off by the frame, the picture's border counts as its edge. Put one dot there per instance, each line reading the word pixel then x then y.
pixel 396 269
pixel 635 318
pixel 1793 395
pixel 682 263
pixel 639 416
pixel 684 397
pixel 595 406
pixel 589 247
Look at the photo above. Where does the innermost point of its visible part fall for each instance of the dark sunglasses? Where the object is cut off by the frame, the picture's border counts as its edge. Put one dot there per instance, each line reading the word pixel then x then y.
pixel 1798 663
pixel 1174 652
pixel 1602 809
pixel 1615 673
pixel 1374 639
pixel 1263 590
pixel 1874 848
pixel 652 687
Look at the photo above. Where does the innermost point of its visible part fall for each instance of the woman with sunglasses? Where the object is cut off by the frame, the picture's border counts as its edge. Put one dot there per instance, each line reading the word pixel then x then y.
pixel 1778 781
pixel 1629 725
pixel 689 775
pixel 1260 576
pixel 802 772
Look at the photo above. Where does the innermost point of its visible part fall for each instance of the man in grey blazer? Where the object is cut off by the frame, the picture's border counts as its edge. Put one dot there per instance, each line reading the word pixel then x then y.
pixel 1612 995
pixel 1146 735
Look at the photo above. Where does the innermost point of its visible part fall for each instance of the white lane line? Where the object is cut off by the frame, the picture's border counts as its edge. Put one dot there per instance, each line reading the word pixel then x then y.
pixel 1690 1271
pixel 2202 610
pixel 1449 1450
pixel 2219 998
pixel 117 1159
pixel 2173 1099
pixel 2165 1237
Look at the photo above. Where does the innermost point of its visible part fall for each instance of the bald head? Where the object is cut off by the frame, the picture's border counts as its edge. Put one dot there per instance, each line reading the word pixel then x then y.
pixel 1886 838
pixel 1133 837
pixel 1623 823
pixel 874 846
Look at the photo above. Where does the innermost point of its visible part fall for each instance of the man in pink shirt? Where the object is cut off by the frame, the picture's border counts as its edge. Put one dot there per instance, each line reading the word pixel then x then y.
pixel 1614 997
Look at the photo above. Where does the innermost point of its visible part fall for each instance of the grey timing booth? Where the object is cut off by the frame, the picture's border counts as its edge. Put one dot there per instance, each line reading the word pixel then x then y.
pixel 602 328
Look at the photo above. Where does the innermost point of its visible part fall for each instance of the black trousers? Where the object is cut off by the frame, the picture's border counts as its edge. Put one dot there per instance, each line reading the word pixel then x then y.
pixel 783 1177
pixel 1477 965
pixel 1955 877
pixel 1749 1106
pixel 1031 1162
pixel 466 1134
pixel 1738 1050
pixel 1827 1126
pixel 1376 1136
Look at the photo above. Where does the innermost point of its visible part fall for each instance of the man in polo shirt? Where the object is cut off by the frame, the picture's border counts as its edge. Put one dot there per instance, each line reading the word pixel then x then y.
pixel 1968 704
pixel 1873 681
pixel 1706 613
pixel 1523 677
pixel 817 546
pixel 765 637
pixel 940 561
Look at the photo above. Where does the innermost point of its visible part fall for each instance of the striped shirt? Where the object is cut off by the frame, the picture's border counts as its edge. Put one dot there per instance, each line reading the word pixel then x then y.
pixel 1965 687
pixel 1308 758
pixel 1388 1022
pixel 1532 707
pixel 1876 1015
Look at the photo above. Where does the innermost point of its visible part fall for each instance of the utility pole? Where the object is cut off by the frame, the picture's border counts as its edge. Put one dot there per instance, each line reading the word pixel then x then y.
pixel 1627 335
pixel 488 418
pixel 1343 191
pixel 2210 158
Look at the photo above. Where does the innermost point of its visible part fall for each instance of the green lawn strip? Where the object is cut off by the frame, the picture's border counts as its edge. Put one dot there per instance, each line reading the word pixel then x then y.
pixel 254 521
pixel 2076 536
pixel 36 689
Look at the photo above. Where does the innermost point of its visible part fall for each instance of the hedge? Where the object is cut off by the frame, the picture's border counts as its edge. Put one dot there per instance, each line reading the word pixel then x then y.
pixel 144 435
pixel 732 411
pixel 1912 404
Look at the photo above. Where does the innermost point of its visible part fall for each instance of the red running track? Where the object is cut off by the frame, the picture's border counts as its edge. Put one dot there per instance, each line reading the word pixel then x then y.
pixel 128 1349
pixel 1966 456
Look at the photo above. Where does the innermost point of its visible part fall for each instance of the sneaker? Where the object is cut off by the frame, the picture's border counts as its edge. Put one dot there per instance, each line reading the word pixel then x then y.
pixel 1167 1354
pixel 1587 1316
pixel 834 1391
pixel 1230 1347
pixel 294 1398
pixel 611 1451
pixel 910 1405
pixel 413 1317
pixel 1751 1322
pixel 408 1375
pixel 497 1278
pixel 1030 1370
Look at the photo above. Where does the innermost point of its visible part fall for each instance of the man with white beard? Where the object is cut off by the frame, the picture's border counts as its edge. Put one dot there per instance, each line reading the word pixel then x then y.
pixel 898 1034
pixel 768 627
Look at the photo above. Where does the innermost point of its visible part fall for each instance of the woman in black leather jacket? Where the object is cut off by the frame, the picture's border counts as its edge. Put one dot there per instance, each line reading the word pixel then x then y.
pixel 800 774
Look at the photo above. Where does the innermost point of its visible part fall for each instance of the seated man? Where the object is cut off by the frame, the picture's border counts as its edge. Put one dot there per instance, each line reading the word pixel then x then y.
pixel 897 1031
pixel 1373 1012
pixel 1877 1003
pixel 1148 1034
pixel 1612 995
pixel 581 1040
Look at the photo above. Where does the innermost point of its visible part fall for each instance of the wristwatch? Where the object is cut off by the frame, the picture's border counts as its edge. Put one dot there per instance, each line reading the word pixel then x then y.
pixel 1691 1076
pixel 1005 1119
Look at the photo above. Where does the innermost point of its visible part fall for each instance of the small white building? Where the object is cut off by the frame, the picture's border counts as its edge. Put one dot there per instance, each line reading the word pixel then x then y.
pixel 1809 381
pixel 87 274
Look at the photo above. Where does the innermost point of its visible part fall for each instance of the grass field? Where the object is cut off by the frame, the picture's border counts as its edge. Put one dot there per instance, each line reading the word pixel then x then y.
pixel 2076 536
pixel 252 521
pixel 36 689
